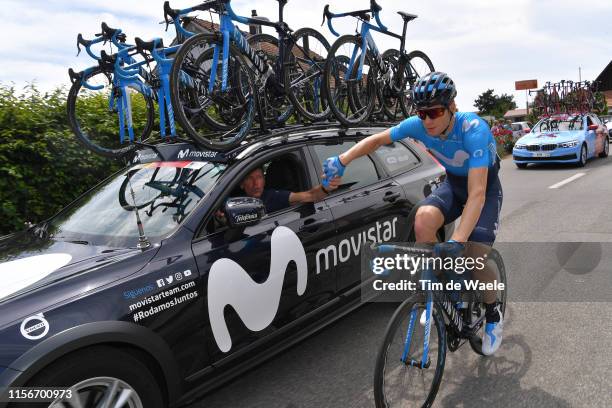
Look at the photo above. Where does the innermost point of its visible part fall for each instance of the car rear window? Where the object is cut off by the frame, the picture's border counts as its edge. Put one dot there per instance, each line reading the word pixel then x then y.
pixel 397 158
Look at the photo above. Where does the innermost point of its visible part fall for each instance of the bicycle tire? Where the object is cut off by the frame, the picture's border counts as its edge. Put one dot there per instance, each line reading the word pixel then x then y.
pixel 274 101
pixel 87 125
pixel 476 308
pixel 389 100
pixel 360 110
pixel 414 74
pixel 242 80
pixel 403 311
pixel 313 106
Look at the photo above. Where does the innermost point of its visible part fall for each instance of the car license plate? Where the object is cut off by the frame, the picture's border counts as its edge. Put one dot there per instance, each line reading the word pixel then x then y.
pixel 539 154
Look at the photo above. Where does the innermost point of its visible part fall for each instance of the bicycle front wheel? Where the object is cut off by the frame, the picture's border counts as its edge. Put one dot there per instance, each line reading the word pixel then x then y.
pixel 93 108
pixel 417 65
pixel 397 383
pixel 231 110
pixel 350 89
pixel 304 69
pixel 275 105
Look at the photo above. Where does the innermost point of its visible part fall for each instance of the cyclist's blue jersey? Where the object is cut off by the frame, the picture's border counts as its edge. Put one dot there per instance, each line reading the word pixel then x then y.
pixel 469 145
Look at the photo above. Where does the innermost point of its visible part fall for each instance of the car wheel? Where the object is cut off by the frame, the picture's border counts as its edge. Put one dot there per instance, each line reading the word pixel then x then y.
pixel 98 374
pixel 606 149
pixel 521 165
pixel 583 157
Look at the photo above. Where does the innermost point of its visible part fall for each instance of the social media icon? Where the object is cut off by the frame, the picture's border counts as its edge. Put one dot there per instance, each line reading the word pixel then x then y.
pixel 160 283
pixel 169 279
pixel 187 273
pixel 178 276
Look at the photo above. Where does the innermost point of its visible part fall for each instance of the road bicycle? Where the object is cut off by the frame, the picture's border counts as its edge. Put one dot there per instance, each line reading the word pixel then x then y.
pixel 238 78
pixel 120 93
pixel 356 74
pixel 410 361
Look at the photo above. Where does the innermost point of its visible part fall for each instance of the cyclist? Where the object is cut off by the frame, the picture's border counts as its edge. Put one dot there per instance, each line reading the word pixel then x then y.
pixel 463 143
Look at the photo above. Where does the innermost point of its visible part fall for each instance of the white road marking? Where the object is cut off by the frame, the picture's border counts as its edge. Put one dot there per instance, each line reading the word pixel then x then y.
pixel 567 180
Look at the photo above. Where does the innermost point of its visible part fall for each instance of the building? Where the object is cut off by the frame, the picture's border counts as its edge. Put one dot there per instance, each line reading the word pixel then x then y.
pixel 605 79
pixel 516 115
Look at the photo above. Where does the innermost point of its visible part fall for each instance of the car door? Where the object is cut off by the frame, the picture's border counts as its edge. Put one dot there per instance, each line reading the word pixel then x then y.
pixel 368 207
pixel 591 136
pixel 256 280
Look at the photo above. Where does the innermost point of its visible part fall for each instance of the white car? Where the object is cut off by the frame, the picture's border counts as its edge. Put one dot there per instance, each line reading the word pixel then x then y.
pixel 607 121
pixel 520 129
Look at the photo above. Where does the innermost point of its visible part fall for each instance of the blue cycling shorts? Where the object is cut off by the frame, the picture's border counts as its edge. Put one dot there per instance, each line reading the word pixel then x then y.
pixel 450 198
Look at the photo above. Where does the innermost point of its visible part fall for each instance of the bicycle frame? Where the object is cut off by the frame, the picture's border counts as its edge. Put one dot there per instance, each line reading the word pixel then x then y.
pixel 445 303
pixel 229 33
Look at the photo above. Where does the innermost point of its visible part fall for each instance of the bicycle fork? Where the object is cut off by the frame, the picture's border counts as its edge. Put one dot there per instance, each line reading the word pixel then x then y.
pixel 425 362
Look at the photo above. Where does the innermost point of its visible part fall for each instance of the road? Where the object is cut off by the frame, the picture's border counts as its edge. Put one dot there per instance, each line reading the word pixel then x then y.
pixel 557 245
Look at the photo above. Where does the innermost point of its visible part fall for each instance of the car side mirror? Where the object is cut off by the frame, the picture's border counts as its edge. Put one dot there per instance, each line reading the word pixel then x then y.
pixel 593 127
pixel 244 211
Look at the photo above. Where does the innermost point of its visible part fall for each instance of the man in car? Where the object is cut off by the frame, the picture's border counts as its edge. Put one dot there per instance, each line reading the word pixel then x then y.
pixel 464 145
pixel 254 185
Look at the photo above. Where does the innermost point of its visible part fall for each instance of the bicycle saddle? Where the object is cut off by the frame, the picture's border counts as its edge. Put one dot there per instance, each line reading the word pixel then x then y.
pixel 406 16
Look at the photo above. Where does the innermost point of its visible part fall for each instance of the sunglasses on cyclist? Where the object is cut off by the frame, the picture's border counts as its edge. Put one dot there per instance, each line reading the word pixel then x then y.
pixel 431 113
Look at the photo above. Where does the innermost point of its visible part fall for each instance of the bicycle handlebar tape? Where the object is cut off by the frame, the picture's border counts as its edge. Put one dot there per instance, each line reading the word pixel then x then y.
pixel 109 32
pixel 374 6
pixel 147 45
pixel 328 14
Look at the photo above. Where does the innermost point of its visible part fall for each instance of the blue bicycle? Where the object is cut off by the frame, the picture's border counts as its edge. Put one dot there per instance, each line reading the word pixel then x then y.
pixel 239 81
pixel 120 92
pixel 357 75
pixel 410 361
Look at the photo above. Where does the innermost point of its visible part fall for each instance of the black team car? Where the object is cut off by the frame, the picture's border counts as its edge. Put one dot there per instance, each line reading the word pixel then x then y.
pixel 140 292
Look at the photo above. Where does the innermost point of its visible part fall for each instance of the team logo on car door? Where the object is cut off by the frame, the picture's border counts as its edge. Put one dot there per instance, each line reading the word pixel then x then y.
pixel 255 303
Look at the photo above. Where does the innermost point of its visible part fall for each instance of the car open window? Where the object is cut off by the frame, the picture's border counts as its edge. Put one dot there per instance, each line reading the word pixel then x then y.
pixel 361 172
pixel 397 158
pixel 285 171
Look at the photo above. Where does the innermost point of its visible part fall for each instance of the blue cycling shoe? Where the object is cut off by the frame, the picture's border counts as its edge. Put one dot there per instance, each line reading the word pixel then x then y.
pixel 492 337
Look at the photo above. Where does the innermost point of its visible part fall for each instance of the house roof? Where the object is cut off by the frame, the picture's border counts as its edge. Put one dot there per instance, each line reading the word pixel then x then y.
pixel 515 113
pixel 605 78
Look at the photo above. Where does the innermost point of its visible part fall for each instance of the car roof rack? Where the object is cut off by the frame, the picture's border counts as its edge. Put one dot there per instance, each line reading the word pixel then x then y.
pixel 178 149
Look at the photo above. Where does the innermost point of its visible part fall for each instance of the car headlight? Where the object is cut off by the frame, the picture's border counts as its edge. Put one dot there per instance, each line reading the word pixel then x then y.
pixel 520 146
pixel 571 143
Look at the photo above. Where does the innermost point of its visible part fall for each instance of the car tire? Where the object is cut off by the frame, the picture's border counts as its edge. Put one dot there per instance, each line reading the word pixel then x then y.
pixel 92 371
pixel 521 165
pixel 606 149
pixel 583 157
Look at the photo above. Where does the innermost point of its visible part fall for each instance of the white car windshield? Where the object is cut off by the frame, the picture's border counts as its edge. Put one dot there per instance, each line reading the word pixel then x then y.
pixel 163 192
pixel 559 125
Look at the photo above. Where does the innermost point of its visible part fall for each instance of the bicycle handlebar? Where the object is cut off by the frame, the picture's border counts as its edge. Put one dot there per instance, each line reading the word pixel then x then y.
pixel 374 9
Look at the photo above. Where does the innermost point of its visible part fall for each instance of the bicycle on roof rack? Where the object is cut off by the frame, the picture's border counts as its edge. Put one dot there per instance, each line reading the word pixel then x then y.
pixel 239 78
pixel 357 75
pixel 120 93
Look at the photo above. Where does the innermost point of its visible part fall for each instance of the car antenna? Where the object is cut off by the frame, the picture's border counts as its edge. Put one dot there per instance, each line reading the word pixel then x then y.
pixel 143 241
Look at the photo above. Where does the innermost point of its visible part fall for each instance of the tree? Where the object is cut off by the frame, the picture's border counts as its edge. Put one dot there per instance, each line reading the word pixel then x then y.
pixel 496 105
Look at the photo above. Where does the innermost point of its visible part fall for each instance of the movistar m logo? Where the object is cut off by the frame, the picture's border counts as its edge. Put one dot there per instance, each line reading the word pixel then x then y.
pixel 255 303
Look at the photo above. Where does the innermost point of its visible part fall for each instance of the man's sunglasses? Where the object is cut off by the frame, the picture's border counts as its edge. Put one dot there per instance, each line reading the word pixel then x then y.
pixel 432 113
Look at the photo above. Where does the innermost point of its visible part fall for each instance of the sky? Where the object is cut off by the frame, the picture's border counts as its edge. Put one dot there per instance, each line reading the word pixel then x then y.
pixel 481 44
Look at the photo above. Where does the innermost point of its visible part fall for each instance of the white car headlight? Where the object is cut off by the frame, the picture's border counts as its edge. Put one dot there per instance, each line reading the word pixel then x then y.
pixel 571 143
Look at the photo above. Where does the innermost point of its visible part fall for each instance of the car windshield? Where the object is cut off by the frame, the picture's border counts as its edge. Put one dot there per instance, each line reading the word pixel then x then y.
pixel 163 192
pixel 559 125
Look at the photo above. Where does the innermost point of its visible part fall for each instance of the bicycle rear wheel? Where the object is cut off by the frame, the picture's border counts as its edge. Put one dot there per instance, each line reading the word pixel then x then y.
pixel 417 64
pixel 304 70
pixel 396 382
pixel 231 111
pixel 477 307
pixel 94 119
pixel 350 98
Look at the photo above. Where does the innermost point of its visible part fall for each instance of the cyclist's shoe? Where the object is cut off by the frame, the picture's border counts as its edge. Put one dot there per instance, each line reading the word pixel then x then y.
pixel 492 337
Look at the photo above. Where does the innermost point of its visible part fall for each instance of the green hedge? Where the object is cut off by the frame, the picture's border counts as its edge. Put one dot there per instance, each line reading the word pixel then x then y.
pixel 42 166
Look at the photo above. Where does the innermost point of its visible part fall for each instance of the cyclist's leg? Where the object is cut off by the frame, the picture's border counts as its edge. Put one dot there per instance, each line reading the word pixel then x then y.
pixel 485 233
pixel 436 210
